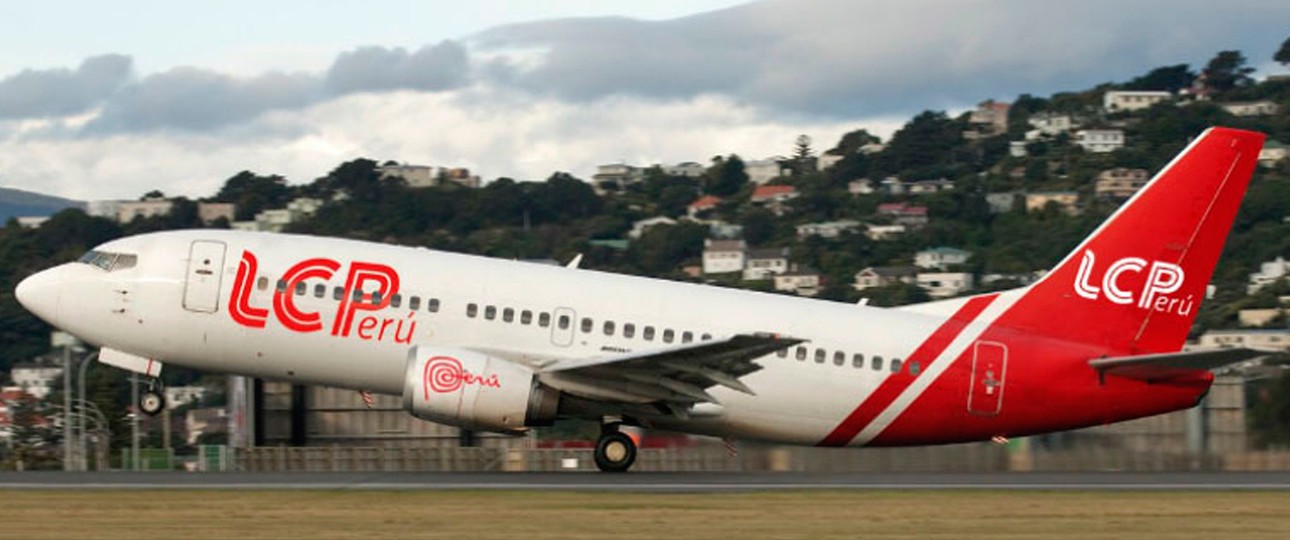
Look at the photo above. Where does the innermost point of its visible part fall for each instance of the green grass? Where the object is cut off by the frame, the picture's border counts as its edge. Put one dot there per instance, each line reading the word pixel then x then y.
pixel 535 515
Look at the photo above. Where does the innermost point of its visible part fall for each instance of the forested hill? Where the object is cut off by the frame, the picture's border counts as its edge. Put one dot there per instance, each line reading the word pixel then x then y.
pixel 17 203
pixel 1011 147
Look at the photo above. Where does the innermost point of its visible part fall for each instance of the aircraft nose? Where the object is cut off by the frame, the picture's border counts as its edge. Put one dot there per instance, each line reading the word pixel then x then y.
pixel 41 294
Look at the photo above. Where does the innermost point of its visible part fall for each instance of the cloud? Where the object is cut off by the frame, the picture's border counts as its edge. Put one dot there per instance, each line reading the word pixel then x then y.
pixel 61 92
pixel 438 67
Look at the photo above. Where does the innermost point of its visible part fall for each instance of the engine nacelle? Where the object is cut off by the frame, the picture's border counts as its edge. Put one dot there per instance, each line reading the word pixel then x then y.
pixel 476 391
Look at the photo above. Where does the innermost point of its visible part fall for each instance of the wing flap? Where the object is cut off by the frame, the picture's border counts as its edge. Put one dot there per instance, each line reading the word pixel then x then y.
pixel 1166 366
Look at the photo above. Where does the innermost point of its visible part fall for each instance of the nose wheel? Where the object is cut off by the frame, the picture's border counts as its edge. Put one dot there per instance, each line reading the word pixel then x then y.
pixel 152 401
pixel 615 451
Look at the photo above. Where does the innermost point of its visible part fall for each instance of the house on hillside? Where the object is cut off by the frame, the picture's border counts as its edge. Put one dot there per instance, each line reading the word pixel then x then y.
pixel 616 177
pixel 827 229
pixel 209 212
pixel 1251 108
pixel 1120 183
pixel 828 159
pixel 765 263
pixel 988 119
pixel 640 226
pixel 723 256
pixel 1066 201
pixel 1269 272
pixel 1100 141
pixel 773 198
pixel 1132 100
pixel 702 206
pixel 801 282
pixel 1272 153
pixel 1001 202
pixel 764 170
pixel 941 258
pixel 882 276
pixel 1048 125
pixel 906 214
pixel 945 284
pixel 35 379
pixel 884 232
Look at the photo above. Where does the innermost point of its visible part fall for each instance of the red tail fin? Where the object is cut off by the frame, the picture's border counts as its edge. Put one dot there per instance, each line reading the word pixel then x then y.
pixel 1135 284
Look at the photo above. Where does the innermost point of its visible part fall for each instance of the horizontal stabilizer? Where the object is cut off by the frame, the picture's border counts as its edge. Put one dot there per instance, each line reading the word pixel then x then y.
pixel 1166 366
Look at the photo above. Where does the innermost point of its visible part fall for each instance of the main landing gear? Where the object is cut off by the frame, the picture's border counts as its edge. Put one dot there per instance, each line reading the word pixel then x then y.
pixel 153 400
pixel 615 450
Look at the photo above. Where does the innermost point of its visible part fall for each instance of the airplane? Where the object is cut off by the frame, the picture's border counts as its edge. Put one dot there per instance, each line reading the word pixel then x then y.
pixel 503 346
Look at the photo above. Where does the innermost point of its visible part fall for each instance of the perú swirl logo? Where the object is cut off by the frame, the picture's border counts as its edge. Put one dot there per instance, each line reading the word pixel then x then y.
pixel 443 375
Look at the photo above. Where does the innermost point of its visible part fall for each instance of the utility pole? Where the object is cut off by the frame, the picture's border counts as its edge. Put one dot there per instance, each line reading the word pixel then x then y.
pixel 67 407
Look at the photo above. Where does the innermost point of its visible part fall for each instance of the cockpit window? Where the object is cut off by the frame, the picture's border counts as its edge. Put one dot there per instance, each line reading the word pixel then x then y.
pixel 109 261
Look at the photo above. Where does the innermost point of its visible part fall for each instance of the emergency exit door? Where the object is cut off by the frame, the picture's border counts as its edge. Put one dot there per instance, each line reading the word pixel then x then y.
pixel 989 370
pixel 205 269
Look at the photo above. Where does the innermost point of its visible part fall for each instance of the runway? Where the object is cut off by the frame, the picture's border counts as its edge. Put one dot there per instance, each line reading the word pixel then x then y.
pixel 674 482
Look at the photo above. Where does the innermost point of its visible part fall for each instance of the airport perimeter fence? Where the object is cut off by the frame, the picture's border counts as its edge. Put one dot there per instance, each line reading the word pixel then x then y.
pixel 979 458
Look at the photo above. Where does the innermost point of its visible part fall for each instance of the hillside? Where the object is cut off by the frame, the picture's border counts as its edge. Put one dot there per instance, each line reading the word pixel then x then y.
pixel 18 203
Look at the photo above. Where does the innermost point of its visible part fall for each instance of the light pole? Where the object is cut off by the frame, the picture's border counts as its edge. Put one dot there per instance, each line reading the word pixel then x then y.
pixel 88 410
pixel 134 421
pixel 82 402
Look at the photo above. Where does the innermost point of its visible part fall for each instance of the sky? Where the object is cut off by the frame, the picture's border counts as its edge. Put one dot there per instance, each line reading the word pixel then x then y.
pixel 114 99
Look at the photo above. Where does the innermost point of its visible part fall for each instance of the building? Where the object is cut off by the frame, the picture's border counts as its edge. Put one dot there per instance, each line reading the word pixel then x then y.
pixel 1258 317
pixel 688 169
pixel 773 198
pixel 277 219
pixel 209 212
pixel 723 230
pixel 1253 338
pixel 988 119
pixel 1272 153
pixel 1269 272
pixel 1099 141
pixel 863 186
pixel 801 282
pixel 905 214
pixel 922 187
pixel 35 379
pixel 128 211
pixel 1001 202
pixel 615 177
pixel 1132 100
pixel 1017 149
pixel 178 396
pixel 764 170
pixel 723 256
pixel 1066 201
pixel 103 209
pixel 945 284
pixel 1048 125
pixel 1251 108
pixel 639 227
pixel 765 263
pixel 828 159
pixel 882 276
pixel 415 176
pixel 884 232
pixel 31 222
pixel 701 206
pixel 1120 183
pixel 941 258
pixel 827 229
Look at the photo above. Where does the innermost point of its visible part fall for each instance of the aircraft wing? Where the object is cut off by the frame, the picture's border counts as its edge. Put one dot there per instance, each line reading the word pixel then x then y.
pixel 679 374
pixel 1162 367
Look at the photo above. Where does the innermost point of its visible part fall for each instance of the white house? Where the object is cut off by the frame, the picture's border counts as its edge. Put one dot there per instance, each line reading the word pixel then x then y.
pixel 945 284
pixel 1272 153
pixel 639 227
pixel 765 263
pixel 863 186
pixel 802 282
pixel 35 379
pixel 415 176
pixel 1100 141
pixel 1132 100
pixel 1262 339
pixel 687 169
pixel 880 276
pixel 127 211
pixel 827 229
pixel 762 171
pixel 723 256
pixel 941 258
pixel 828 159
pixel 615 176
pixel 178 396
pixel 1120 182
pixel 883 232
pixel 1251 108
pixel 1049 125
pixel 1269 272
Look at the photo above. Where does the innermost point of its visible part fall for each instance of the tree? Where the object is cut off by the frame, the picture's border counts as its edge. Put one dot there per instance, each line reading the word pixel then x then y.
pixel 1168 78
pixel 725 177
pixel 252 193
pixel 1283 54
pixel 803 155
pixel 1227 70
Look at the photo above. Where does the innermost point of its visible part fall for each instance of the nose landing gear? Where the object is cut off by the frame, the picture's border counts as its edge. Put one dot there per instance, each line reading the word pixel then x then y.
pixel 153 400
pixel 615 451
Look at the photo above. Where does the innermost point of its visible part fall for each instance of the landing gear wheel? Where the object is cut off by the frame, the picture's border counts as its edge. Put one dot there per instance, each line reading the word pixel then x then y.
pixel 151 402
pixel 615 452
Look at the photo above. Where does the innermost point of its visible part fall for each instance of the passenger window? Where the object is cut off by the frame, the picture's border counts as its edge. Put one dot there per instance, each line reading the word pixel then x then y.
pixel 609 328
pixel 629 330
pixel 648 334
pixel 687 336
pixel 876 363
pixel 396 300
pixel 839 358
pixel 668 335
pixel 262 283
pixel 801 353
pixel 432 305
pixel 357 297
pixel 414 303
pixel 526 317
pixel 895 365
pixel 490 312
pixel 320 290
pixel 857 360
pixel 544 319
pixel 282 285
pixel 376 298
pixel 706 337
pixel 471 310
pixel 508 315
pixel 564 322
pixel 587 325
pixel 301 288
pixel 781 353
pixel 337 293
pixel 819 356
pixel 914 368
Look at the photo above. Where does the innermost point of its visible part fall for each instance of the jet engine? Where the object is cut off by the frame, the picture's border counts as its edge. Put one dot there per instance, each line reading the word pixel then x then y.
pixel 474 390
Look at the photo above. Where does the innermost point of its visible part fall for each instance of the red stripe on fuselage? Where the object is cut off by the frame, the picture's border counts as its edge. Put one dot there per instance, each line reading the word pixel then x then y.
pixel 896 383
